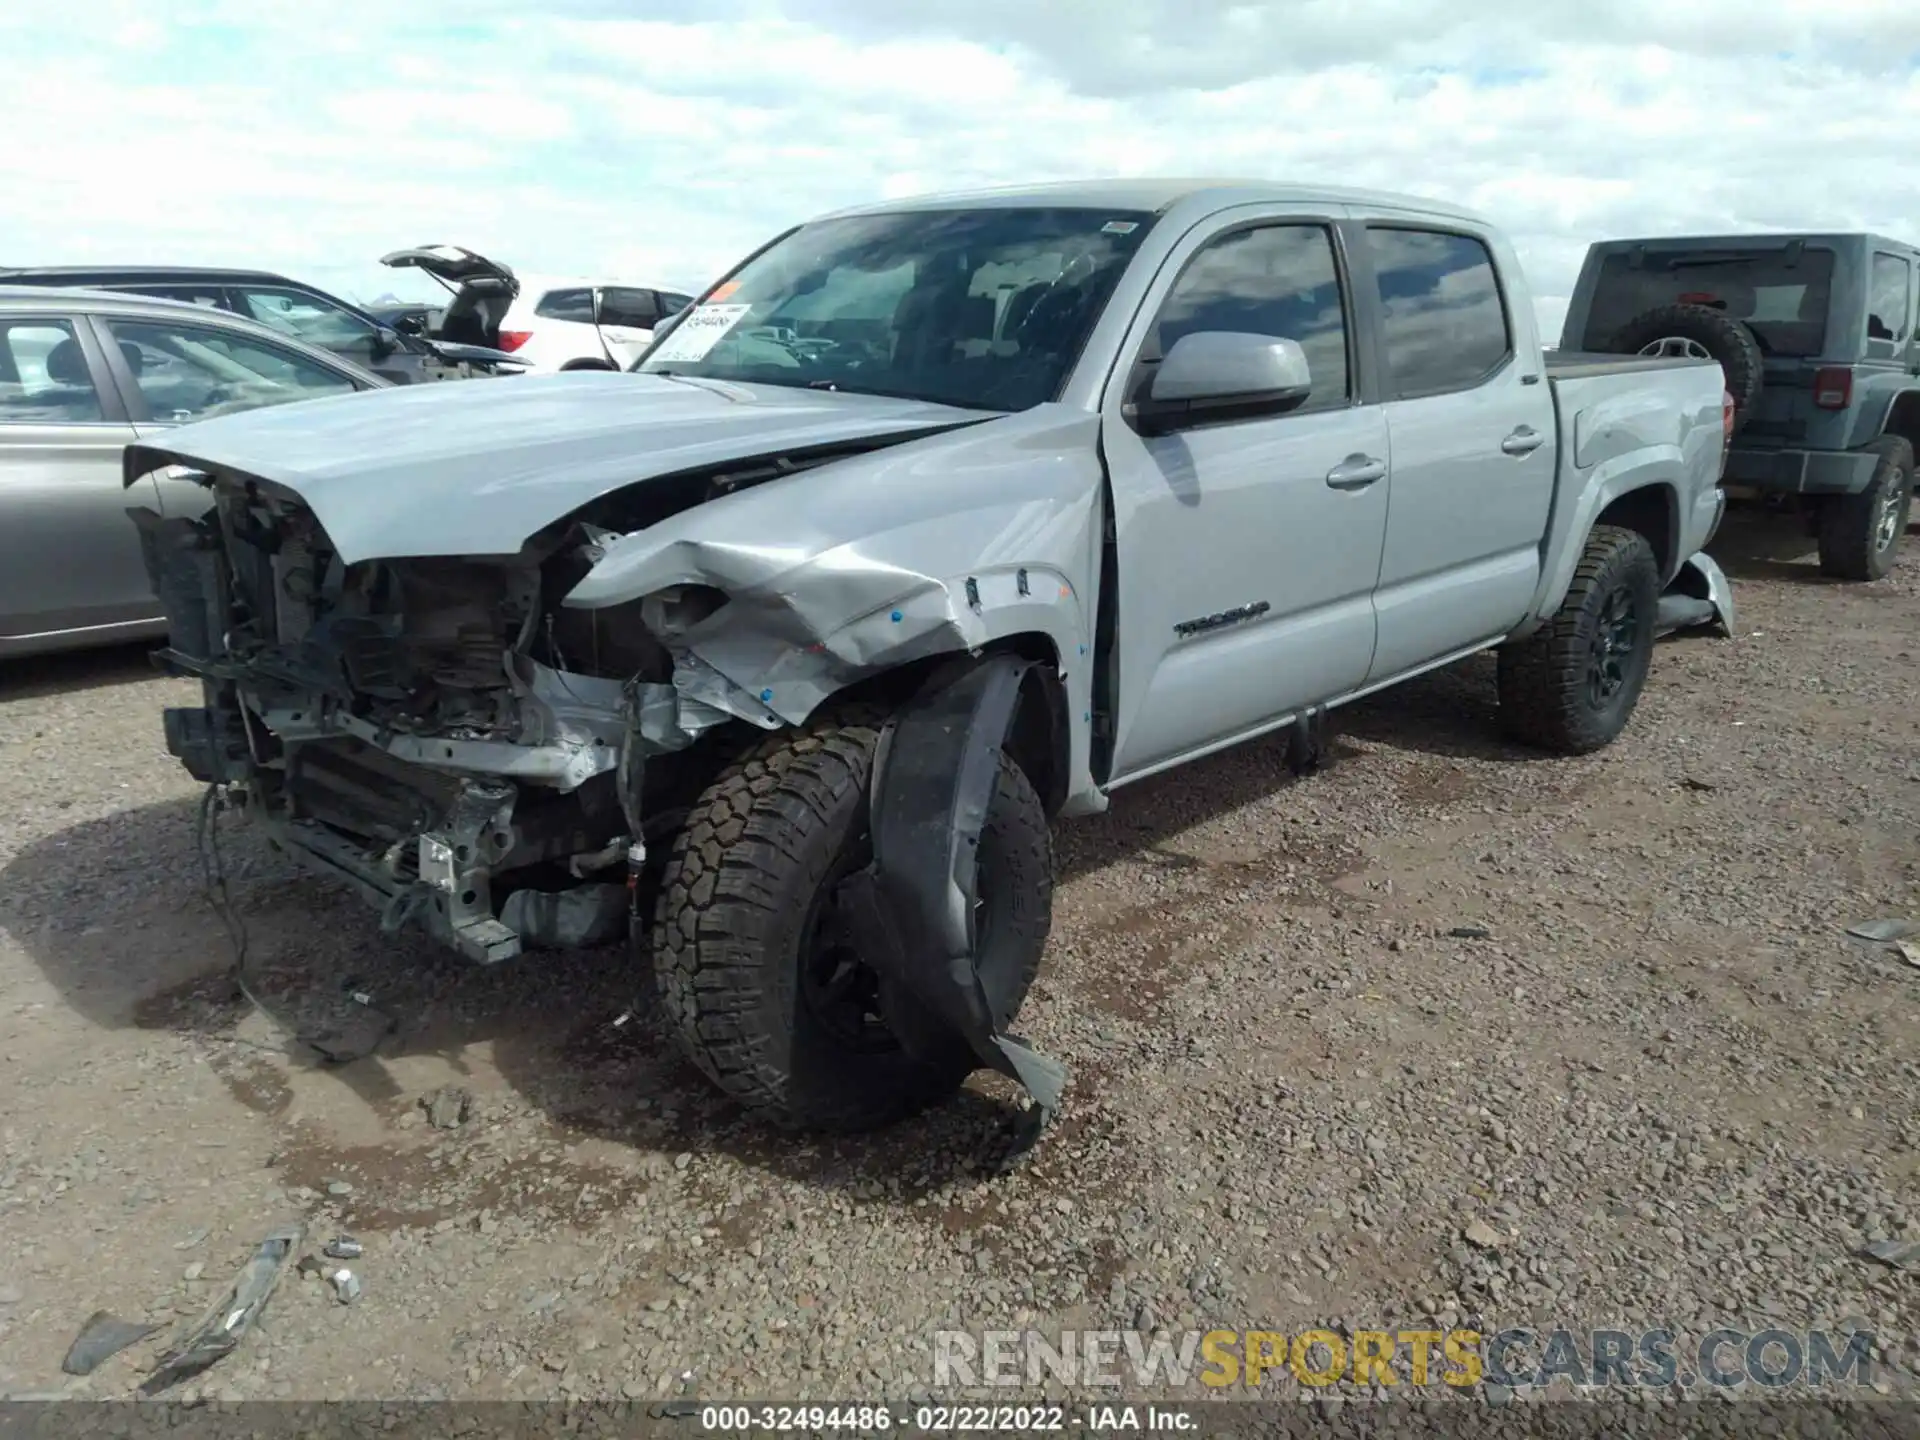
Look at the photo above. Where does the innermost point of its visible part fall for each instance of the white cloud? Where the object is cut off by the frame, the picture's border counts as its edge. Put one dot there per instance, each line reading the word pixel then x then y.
pixel 577 140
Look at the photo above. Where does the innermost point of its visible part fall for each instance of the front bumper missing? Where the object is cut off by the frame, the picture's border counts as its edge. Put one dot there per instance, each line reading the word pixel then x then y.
pixel 442 881
pixel 581 750
pixel 934 778
pixel 440 876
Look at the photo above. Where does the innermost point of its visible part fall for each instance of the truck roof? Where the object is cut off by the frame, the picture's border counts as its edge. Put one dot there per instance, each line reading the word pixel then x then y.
pixel 1764 237
pixel 1159 196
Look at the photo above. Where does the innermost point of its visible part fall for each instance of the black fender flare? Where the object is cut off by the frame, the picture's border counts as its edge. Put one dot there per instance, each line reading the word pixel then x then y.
pixel 934 774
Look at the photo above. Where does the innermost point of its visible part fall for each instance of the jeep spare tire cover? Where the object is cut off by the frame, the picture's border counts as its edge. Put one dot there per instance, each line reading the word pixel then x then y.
pixel 1689 329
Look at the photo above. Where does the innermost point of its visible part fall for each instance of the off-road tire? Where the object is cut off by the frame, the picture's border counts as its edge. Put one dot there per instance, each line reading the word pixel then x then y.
pixel 1545 697
pixel 1720 335
pixel 736 904
pixel 1855 543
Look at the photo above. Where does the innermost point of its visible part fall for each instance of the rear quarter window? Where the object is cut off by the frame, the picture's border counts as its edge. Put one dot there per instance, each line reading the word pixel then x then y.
pixel 1783 302
pixel 1890 299
pixel 574 304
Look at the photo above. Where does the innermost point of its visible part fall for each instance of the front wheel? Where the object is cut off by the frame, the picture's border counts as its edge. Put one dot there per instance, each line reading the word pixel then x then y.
pixel 1860 534
pixel 1571 686
pixel 759 973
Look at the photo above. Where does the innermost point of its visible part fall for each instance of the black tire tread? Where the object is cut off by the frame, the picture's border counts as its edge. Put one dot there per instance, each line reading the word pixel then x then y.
pixel 1541 678
pixel 1846 522
pixel 719 914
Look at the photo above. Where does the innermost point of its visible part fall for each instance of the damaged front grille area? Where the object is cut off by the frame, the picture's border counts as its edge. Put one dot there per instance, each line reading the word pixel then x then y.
pixel 354 788
pixel 408 726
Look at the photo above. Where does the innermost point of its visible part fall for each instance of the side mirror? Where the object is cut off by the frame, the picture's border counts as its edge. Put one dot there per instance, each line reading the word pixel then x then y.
pixel 385 342
pixel 1215 375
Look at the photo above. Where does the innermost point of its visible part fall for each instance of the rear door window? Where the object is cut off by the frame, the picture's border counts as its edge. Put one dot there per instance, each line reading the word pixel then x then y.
pixel 45 378
pixel 634 309
pixel 1890 300
pixel 1443 320
pixel 1782 297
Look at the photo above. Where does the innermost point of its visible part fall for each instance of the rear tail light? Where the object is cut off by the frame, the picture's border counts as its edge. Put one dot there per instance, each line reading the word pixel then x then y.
pixel 511 340
pixel 1726 415
pixel 1833 387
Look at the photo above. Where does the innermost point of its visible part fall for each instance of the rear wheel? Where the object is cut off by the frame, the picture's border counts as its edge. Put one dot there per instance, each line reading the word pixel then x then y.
pixel 757 968
pixel 1860 534
pixel 1571 686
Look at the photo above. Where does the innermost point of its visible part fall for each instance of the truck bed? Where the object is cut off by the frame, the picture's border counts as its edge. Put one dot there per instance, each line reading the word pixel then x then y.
pixel 1624 416
pixel 1580 365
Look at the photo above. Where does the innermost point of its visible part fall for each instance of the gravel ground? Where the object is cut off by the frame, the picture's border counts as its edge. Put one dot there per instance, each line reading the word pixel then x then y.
pixel 1654 1083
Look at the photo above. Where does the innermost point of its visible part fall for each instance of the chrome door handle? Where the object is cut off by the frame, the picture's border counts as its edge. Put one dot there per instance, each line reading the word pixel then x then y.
pixel 1356 472
pixel 1523 441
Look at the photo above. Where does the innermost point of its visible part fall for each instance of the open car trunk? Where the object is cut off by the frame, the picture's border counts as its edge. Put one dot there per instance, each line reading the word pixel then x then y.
pixel 482 289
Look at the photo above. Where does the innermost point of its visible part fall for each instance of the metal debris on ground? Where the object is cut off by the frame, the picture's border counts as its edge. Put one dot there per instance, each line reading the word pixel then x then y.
pixel 446 1107
pixel 1900 1254
pixel 1908 952
pixel 221 1330
pixel 345 1247
pixel 346 1285
pixel 100 1339
pixel 1470 932
pixel 1883 931
pixel 196 1238
pixel 1688 782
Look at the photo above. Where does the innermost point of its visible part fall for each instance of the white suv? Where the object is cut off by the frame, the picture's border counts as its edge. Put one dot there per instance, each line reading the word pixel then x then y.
pixel 547 321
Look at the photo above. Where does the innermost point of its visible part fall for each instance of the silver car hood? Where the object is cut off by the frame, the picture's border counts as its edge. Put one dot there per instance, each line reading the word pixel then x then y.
pixel 476 469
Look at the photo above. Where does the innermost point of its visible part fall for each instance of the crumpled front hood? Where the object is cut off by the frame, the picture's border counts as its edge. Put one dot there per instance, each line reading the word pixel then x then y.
pixel 475 468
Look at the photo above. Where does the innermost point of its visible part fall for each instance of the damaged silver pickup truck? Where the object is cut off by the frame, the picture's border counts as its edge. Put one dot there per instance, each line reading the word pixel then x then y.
pixel 928 523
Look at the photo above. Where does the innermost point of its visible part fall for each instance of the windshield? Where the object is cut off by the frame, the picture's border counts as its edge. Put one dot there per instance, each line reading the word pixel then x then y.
pixel 985 309
pixel 1783 301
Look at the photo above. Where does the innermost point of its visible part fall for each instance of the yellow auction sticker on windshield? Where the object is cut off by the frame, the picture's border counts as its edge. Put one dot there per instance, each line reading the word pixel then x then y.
pixel 703 329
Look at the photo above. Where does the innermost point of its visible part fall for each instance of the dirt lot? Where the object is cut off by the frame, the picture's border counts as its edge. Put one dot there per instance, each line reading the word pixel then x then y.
pixel 1662 1076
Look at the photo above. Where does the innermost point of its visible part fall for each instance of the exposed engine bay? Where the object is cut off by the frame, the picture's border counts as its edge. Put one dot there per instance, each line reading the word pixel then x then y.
pixel 440 732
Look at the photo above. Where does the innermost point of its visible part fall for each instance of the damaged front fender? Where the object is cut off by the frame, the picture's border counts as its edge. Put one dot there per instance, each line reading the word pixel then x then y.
pixel 879 561
pixel 915 906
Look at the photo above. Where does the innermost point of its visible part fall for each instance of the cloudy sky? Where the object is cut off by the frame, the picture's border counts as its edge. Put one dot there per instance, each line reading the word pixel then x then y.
pixel 657 140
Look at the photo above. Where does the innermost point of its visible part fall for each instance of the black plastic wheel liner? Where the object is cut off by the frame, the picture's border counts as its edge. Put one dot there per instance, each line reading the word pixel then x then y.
pixel 933 779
